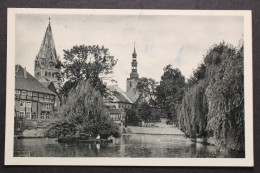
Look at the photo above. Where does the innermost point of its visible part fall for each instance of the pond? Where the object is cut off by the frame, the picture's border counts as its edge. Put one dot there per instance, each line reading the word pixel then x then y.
pixel 132 145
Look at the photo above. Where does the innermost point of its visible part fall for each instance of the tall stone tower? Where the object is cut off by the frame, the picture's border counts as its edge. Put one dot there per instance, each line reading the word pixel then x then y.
pixel 47 64
pixel 132 82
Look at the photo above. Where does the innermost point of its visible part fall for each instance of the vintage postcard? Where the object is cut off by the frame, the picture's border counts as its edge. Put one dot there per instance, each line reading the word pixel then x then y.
pixel 96 87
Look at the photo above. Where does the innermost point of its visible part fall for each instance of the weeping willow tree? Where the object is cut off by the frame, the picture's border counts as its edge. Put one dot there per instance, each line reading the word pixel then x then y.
pixel 225 95
pixel 213 102
pixel 192 112
pixel 84 113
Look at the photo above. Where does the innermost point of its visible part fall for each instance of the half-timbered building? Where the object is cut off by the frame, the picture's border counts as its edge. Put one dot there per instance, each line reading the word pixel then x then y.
pixel 34 103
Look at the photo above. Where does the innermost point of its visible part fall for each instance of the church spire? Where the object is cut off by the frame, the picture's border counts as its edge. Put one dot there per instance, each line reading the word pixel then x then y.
pixel 47 50
pixel 47 64
pixel 134 73
pixel 134 53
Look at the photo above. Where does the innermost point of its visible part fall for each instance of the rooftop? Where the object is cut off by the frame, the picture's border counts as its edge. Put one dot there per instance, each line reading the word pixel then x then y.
pixel 25 81
pixel 118 94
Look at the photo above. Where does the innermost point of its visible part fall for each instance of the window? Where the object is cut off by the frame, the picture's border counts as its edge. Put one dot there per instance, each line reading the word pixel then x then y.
pixel 46 96
pixel 28 104
pixel 42 115
pixel 46 73
pixel 29 93
pixel 47 117
pixel 21 114
pixel 47 106
pixel 115 117
pixel 17 92
pixel 34 116
pixel 24 93
pixel 130 84
pixel 22 103
pixel 28 115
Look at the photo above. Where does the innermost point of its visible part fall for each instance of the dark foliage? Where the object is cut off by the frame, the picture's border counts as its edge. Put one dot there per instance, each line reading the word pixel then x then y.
pixel 170 92
pixel 213 102
pixel 86 63
pixel 83 113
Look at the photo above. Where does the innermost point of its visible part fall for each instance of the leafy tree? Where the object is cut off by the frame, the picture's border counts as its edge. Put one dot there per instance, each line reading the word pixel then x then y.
pixel 147 88
pixel 132 117
pixel 225 96
pixel 145 112
pixel 213 106
pixel 84 112
pixel 170 91
pixel 198 74
pixel 86 63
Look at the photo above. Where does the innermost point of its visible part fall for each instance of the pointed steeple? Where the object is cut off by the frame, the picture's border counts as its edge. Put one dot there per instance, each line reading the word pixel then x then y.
pixel 132 82
pixel 47 50
pixel 134 73
pixel 134 53
pixel 47 64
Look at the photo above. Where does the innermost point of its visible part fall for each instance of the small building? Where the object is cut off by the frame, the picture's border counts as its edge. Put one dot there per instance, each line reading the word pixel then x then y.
pixel 118 116
pixel 116 103
pixel 34 103
pixel 50 85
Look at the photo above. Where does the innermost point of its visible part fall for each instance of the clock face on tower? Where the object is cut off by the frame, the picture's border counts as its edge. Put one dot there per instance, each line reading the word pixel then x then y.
pixel 51 64
pixel 43 62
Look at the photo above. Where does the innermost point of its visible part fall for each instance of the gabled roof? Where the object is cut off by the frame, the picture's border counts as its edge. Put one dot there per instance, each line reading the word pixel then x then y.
pixel 28 83
pixel 46 84
pixel 118 94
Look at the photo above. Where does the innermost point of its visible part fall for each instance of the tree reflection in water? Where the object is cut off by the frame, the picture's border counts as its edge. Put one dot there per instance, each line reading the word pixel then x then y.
pixel 134 145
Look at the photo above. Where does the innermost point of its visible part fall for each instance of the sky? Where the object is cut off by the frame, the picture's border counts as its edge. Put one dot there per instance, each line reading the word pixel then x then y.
pixel 159 40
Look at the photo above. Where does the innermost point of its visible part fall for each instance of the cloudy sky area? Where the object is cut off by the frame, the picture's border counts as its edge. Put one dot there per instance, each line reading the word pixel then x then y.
pixel 160 40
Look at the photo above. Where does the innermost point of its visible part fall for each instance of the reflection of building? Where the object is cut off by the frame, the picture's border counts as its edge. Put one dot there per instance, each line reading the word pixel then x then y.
pixel 47 64
pixel 132 82
pixel 34 103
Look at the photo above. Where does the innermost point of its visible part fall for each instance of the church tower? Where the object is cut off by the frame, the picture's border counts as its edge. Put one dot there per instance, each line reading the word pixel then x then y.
pixel 132 82
pixel 47 65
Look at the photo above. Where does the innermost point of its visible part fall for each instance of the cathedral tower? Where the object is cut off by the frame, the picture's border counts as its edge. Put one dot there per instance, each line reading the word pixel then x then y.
pixel 47 64
pixel 132 82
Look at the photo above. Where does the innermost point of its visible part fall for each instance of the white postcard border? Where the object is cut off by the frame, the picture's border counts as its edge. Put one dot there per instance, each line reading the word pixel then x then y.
pixel 80 161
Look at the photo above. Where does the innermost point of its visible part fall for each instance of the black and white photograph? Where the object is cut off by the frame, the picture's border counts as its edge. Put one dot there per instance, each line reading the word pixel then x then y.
pixel 129 87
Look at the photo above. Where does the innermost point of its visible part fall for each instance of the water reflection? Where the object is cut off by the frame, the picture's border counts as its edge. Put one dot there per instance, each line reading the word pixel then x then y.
pixel 135 145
